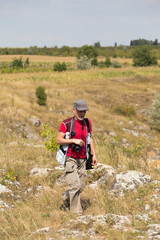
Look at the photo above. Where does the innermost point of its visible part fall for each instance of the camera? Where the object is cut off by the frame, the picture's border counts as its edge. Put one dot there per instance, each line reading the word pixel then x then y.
pixel 75 147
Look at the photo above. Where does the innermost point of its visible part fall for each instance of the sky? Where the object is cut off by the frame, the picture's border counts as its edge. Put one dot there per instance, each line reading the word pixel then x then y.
pixel 74 23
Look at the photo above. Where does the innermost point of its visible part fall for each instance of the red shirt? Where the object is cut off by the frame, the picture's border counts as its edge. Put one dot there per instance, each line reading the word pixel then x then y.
pixel 78 130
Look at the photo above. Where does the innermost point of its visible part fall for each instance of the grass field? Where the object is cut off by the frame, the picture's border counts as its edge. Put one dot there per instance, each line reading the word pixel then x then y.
pixel 103 89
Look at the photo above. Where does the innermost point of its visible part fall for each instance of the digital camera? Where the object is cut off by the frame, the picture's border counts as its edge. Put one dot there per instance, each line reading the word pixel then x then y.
pixel 75 147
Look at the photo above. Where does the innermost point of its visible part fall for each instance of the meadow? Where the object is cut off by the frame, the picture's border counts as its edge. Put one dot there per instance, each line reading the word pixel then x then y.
pixel 22 147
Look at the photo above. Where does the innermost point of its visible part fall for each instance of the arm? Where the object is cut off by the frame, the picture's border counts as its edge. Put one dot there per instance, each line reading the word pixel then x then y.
pixel 94 159
pixel 62 141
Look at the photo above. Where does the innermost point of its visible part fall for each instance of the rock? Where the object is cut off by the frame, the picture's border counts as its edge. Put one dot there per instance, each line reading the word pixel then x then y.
pixel 147 207
pixel 153 231
pixel 4 205
pixel 35 121
pixel 40 171
pixel 133 132
pixel 113 134
pixel 130 180
pixel 124 140
pixel 41 231
pixel 104 171
pixel 4 189
pixel 142 217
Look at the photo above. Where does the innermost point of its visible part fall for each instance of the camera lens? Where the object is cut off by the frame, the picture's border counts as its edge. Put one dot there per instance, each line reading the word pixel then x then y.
pixel 76 147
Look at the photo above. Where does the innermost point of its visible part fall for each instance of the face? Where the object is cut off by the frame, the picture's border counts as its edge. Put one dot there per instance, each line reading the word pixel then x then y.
pixel 79 115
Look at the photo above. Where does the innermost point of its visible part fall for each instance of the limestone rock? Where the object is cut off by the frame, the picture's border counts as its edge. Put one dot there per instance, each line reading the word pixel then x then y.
pixel 40 171
pixel 153 231
pixel 129 180
pixel 4 189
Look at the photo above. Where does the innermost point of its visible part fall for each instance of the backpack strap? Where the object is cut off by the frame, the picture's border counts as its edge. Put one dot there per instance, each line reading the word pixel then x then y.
pixel 87 123
pixel 88 147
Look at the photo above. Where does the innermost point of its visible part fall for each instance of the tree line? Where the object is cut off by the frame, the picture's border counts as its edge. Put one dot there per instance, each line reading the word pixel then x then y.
pixel 143 42
pixel 113 52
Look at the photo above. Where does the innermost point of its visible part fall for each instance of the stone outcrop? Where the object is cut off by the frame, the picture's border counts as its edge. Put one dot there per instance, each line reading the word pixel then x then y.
pixel 129 181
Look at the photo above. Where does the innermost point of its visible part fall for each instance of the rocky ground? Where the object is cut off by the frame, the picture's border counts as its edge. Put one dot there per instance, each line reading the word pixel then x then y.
pixel 121 184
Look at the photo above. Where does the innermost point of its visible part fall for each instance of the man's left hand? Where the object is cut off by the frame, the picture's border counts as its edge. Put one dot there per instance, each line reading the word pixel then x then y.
pixel 94 160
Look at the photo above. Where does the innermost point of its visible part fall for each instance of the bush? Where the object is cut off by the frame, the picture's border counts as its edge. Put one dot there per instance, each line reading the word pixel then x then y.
pixel 107 63
pixel 154 113
pixel 59 67
pixel 116 64
pixel 17 63
pixel 126 110
pixel 143 57
pixel 50 136
pixel 83 63
pixel 41 96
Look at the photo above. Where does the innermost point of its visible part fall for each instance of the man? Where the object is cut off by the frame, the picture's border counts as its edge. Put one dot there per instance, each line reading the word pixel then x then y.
pixel 75 165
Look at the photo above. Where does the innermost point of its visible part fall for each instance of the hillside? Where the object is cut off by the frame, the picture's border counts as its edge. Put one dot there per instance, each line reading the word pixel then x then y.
pixel 122 196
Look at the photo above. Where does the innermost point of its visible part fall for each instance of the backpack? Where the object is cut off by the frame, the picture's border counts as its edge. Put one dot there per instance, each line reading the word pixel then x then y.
pixel 63 149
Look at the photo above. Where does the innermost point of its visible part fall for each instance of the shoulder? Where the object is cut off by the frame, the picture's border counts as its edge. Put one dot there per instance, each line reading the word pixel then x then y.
pixel 67 123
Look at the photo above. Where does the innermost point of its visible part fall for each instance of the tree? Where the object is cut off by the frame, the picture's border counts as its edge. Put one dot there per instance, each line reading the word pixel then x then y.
pixel 90 52
pixel 41 96
pixel 97 44
pixel 143 57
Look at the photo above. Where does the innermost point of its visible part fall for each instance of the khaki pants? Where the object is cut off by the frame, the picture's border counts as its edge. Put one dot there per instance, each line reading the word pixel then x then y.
pixel 75 176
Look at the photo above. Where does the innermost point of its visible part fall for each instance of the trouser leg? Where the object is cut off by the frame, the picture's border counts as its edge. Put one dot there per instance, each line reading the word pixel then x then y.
pixel 75 176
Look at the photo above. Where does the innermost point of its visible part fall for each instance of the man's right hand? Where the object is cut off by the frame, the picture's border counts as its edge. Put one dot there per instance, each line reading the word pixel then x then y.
pixel 79 142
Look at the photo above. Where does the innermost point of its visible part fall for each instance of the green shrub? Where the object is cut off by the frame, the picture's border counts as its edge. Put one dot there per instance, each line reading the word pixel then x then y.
pixel 126 110
pixel 116 64
pixel 83 63
pixel 41 96
pixel 59 67
pixel 107 62
pixel 17 63
pixel 154 113
pixel 143 57
pixel 50 136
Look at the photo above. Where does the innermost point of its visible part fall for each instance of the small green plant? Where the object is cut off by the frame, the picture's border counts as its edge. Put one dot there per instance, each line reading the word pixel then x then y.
pixel 50 136
pixel 8 175
pixel 59 67
pixel 124 109
pixel 41 96
pixel 154 113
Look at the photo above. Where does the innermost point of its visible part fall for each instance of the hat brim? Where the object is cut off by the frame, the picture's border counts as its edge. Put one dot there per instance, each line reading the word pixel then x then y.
pixel 82 109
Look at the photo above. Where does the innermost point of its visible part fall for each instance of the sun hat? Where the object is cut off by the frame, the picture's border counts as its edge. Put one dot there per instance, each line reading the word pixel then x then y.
pixel 80 105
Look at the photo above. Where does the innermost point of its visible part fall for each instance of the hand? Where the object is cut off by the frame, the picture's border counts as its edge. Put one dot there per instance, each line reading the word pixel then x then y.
pixel 94 160
pixel 79 142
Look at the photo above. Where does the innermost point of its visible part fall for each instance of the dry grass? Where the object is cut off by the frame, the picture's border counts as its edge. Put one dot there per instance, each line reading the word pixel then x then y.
pixel 37 59
pixel 102 89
